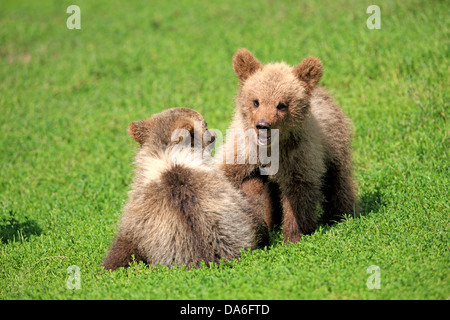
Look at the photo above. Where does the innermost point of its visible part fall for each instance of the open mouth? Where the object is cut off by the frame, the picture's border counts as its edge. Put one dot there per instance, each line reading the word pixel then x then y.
pixel 263 137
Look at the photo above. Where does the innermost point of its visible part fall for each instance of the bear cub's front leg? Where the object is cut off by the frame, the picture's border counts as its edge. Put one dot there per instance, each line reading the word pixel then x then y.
pixel 299 202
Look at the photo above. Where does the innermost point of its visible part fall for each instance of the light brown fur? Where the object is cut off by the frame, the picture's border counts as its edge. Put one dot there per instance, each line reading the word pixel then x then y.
pixel 315 164
pixel 181 210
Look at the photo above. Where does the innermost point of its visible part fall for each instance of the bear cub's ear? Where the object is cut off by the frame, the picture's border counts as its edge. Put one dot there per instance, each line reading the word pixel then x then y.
pixel 245 64
pixel 310 71
pixel 138 131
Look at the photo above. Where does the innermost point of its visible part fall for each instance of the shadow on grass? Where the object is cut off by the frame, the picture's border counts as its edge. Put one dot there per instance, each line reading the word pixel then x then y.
pixel 12 230
pixel 369 202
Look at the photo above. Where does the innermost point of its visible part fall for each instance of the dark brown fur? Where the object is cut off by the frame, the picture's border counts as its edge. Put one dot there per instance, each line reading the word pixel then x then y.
pixel 180 209
pixel 314 143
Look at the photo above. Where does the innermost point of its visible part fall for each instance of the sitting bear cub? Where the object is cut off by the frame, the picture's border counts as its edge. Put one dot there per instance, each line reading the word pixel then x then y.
pixel 181 209
pixel 314 143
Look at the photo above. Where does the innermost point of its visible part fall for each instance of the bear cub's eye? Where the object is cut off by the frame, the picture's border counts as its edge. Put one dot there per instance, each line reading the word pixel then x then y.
pixel 256 103
pixel 282 106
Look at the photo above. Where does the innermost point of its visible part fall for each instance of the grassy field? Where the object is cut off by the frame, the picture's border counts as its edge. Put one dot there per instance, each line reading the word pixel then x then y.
pixel 67 96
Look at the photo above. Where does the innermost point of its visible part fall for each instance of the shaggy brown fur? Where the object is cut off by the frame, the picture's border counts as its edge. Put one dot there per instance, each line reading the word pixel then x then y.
pixel 180 209
pixel 315 164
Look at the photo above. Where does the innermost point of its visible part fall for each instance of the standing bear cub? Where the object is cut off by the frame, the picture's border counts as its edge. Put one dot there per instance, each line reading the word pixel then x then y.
pixel 314 143
pixel 181 210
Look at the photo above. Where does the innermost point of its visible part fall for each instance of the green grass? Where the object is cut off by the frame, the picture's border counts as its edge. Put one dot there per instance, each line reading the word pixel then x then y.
pixel 67 96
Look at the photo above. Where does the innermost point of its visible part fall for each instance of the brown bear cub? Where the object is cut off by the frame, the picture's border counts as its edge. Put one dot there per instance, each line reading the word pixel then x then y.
pixel 181 210
pixel 313 143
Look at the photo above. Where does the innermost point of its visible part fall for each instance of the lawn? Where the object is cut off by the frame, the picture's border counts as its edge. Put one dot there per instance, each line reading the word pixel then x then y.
pixel 67 96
